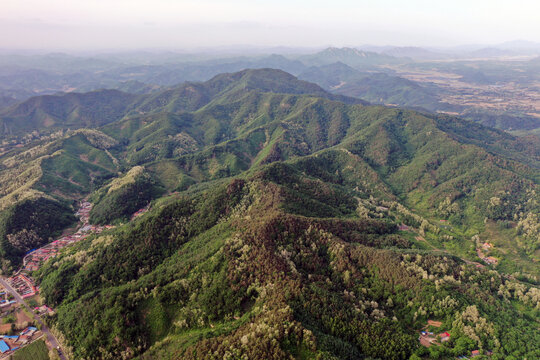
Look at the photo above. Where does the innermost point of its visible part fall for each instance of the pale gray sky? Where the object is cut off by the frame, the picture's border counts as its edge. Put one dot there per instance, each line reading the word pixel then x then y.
pixel 129 24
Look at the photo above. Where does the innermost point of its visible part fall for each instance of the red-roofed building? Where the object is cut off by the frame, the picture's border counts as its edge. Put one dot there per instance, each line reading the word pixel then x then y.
pixel 475 353
pixel 444 336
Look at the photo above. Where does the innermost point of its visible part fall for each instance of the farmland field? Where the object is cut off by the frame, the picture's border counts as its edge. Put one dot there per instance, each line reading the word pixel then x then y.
pixel 35 351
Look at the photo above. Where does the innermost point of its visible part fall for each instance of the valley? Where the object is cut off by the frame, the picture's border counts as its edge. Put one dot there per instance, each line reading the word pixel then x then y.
pixel 520 98
pixel 21 286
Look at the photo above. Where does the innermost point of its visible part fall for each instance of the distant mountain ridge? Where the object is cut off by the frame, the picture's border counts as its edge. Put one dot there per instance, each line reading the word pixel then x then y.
pixel 350 56
pixel 145 73
pixel 6 101
pixel 67 110
pixel 376 88
pixel 74 110
pixel 330 75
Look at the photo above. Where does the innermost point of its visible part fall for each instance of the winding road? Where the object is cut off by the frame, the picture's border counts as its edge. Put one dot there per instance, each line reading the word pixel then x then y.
pixel 44 329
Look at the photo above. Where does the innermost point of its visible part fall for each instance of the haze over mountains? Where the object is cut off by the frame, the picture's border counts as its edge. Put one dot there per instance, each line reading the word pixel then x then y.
pixel 411 77
pixel 316 206
pixel 269 180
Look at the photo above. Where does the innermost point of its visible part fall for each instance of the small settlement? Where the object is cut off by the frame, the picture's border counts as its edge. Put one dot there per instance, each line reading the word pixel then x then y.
pixel 6 300
pixel 16 328
pixel 44 310
pixel 428 338
pixel 10 343
pixel 22 283
pixel 33 260
pixel 140 212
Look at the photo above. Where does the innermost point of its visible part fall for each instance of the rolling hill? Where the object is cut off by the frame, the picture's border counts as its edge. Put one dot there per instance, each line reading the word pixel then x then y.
pixel 72 110
pixel 331 75
pixel 387 89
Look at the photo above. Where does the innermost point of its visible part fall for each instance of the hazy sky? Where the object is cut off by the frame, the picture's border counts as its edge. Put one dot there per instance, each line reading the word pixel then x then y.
pixel 176 24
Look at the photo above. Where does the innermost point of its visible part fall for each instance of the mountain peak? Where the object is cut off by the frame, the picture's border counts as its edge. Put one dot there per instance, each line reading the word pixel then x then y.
pixel 347 51
pixel 350 56
pixel 270 80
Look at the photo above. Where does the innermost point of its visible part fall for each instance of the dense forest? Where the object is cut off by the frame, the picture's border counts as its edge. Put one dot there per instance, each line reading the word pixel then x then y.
pixel 231 272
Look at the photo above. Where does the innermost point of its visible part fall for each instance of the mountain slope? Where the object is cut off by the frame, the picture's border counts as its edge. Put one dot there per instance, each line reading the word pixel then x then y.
pixel 260 266
pixel 427 161
pixel 6 101
pixel 45 179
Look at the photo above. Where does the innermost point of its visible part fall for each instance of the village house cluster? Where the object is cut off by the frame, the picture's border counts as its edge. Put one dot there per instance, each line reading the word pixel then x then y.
pixel 23 285
pixel 84 211
pixel 33 260
pixel 10 343
pixel 43 310
pixel 485 248
pixel 427 338
pixel 5 300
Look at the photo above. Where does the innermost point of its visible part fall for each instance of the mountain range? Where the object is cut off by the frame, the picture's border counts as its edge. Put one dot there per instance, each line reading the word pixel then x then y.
pixel 374 76
pixel 285 221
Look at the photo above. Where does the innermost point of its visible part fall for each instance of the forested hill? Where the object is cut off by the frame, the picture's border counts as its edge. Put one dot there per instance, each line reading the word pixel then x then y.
pixel 71 110
pixel 93 109
pixel 287 262
pixel 285 222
